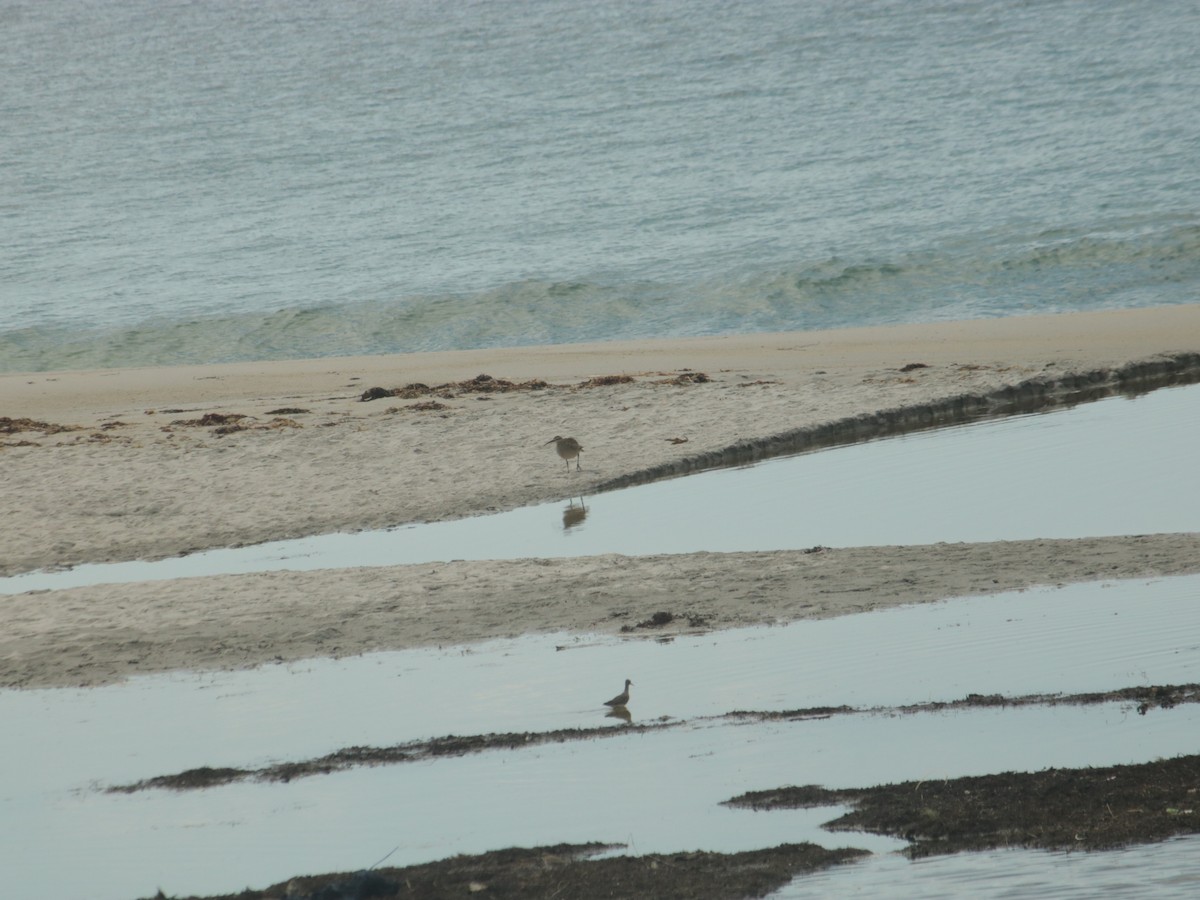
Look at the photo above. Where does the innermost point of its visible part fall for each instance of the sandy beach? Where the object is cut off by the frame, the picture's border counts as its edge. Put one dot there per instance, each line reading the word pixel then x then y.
pixel 149 463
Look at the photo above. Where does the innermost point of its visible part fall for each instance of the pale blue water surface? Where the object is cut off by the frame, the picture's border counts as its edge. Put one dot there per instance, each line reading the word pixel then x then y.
pixel 62 746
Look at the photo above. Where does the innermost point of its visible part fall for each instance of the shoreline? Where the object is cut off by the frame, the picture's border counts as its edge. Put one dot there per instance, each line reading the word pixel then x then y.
pixel 158 462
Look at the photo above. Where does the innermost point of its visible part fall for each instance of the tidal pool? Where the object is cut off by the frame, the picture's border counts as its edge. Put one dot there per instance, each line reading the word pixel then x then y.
pixel 659 791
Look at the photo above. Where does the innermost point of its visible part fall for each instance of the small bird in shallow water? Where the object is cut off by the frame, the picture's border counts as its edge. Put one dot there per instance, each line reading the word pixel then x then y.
pixel 622 698
pixel 568 448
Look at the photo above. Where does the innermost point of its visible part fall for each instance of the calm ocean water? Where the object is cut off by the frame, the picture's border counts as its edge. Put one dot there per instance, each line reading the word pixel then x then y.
pixel 188 181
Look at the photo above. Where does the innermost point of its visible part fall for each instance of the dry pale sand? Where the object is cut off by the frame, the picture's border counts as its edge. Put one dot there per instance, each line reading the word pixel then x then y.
pixel 135 477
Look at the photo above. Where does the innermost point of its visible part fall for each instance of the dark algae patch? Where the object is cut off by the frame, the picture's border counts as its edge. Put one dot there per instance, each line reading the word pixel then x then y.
pixel 562 871
pixel 1146 698
pixel 663 618
pixel 1056 809
pixel 351 757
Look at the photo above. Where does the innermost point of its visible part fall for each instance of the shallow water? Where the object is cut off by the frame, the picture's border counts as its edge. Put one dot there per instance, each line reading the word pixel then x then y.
pixel 1112 467
pixel 656 792
pixel 1167 870
pixel 1084 637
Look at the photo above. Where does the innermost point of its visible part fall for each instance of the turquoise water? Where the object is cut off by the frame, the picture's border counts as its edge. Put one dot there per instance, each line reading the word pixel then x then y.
pixel 203 182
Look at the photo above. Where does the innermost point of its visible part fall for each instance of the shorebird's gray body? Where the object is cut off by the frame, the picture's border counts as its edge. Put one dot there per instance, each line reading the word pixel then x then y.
pixel 622 698
pixel 568 449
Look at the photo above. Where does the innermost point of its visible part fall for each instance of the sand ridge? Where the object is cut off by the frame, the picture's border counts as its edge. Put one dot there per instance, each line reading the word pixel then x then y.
pixel 105 633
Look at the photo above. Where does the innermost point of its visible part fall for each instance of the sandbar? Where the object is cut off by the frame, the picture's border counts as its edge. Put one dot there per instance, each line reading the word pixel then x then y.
pixel 149 463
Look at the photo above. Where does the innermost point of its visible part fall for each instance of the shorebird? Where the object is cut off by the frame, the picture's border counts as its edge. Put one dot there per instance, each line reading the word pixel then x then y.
pixel 568 448
pixel 619 701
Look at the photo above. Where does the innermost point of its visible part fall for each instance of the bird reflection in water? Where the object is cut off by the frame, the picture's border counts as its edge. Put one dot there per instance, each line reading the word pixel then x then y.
pixel 574 515
pixel 620 712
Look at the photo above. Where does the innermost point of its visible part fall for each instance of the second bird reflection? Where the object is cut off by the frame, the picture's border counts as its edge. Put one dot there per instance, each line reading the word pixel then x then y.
pixel 574 515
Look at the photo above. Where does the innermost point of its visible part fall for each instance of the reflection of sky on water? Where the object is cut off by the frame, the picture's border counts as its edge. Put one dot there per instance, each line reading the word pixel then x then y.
pixel 658 792
pixel 1112 467
pixel 1148 872
pixel 655 793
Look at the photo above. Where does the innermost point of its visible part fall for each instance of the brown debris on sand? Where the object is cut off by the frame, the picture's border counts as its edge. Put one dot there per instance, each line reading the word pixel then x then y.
pixel 209 420
pixel 687 377
pixel 480 384
pixel 15 426
pixel 487 384
pixel 230 423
